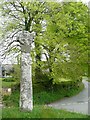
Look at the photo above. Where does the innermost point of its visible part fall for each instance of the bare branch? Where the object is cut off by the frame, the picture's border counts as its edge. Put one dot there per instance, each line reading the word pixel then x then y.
pixel 45 47
pixel 46 56
pixel 16 6
pixel 7 50
pixel 16 17
pixel 12 35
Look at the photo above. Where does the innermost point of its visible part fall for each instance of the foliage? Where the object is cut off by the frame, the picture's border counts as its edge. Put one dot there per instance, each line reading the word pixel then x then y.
pixel 44 95
pixel 62 39
pixel 16 74
pixel 9 79
pixel 8 83
pixel 40 109
pixel 12 100
pixel 65 41
pixel 15 79
pixel 40 112
pixel 56 92
pixel 23 15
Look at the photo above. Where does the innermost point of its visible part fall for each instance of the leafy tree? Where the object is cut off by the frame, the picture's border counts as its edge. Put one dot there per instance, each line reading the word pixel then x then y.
pixel 16 73
pixel 66 41
pixel 23 16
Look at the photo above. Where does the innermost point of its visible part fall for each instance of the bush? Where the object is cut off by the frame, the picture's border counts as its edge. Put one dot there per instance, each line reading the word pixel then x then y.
pixel 9 79
pixel 16 73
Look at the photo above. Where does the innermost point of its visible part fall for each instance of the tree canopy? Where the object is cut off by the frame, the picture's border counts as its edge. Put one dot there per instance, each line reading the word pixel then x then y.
pixel 61 35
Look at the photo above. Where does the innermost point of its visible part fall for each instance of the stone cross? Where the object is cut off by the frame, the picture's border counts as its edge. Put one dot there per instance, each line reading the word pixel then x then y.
pixel 26 97
pixel 25 40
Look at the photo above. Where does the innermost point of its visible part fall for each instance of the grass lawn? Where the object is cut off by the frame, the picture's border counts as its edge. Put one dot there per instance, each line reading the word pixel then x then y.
pixel 6 84
pixel 40 111
pixel 40 100
pixel 46 97
pixel 43 97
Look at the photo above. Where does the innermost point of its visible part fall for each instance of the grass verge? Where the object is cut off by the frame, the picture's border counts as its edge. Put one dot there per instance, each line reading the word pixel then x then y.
pixel 40 111
pixel 6 84
pixel 44 97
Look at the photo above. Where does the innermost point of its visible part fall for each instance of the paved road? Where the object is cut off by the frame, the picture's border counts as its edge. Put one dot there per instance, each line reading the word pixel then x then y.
pixel 79 103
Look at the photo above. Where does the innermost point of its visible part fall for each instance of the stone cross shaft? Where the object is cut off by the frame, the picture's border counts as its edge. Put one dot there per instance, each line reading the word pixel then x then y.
pixel 26 96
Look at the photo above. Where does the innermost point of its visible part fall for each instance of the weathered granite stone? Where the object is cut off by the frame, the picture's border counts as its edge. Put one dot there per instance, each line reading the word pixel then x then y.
pixel 26 39
pixel 26 97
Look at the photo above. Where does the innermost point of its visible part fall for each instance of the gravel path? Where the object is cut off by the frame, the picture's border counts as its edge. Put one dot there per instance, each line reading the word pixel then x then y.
pixel 78 103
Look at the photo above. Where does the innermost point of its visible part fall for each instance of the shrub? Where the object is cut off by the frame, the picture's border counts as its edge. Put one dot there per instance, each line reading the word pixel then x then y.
pixel 9 79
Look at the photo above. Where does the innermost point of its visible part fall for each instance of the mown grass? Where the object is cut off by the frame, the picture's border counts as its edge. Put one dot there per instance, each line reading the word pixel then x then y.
pixel 40 111
pixel 41 97
pixel 12 100
pixel 44 96
pixel 6 84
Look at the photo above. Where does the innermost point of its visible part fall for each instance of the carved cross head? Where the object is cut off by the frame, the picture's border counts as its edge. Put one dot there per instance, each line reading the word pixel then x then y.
pixel 25 39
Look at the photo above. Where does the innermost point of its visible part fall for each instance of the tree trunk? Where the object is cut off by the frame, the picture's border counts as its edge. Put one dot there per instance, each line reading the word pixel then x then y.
pixel 0 70
pixel 26 99
pixel 38 70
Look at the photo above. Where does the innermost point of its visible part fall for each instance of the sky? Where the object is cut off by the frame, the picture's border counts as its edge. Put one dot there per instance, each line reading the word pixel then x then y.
pixel 10 60
pixel 84 1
